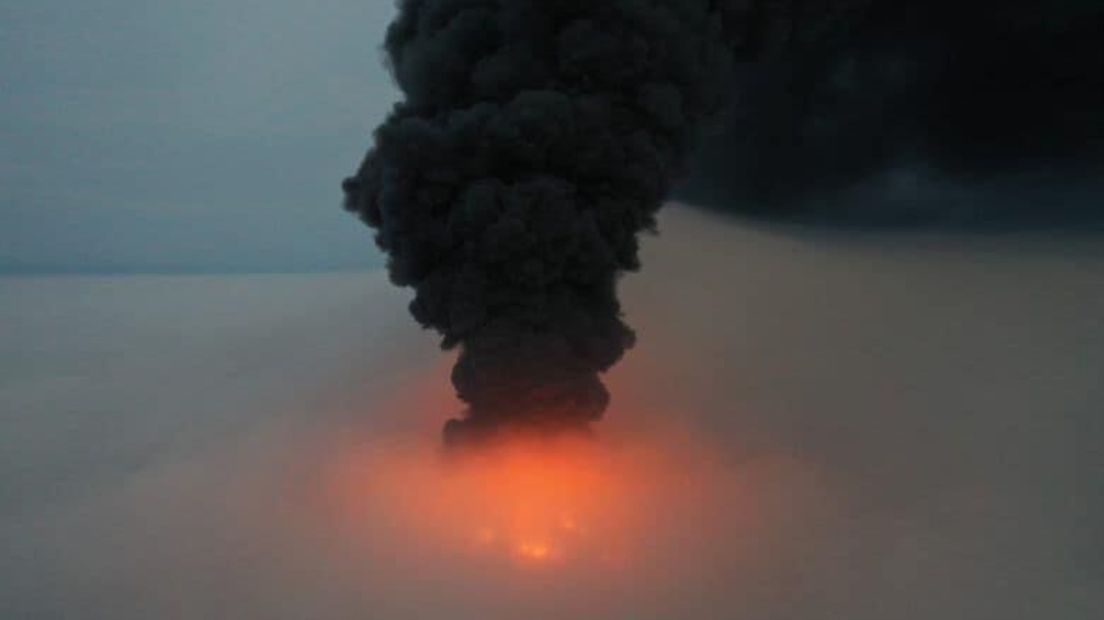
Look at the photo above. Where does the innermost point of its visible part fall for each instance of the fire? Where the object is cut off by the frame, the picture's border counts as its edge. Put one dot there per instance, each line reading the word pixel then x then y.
pixel 536 551
pixel 607 509
pixel 531 503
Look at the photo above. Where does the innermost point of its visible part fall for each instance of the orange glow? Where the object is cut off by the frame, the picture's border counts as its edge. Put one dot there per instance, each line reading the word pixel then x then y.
pixel 527 500
pixel 654 512
pixel 539 505
pixel 535 551
pixel 531 503
pixel 616 509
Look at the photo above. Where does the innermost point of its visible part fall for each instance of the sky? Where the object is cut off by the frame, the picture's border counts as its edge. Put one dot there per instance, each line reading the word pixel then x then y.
pixel 202 136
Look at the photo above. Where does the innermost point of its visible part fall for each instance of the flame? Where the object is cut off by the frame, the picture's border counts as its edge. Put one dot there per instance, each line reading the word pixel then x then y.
pixel 651 509
pixel 586 506
pixel 535 551
pixel 532 501
pixel 528 502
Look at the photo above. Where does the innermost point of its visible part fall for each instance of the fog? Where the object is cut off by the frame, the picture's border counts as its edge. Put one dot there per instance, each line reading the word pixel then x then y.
pixel 815 426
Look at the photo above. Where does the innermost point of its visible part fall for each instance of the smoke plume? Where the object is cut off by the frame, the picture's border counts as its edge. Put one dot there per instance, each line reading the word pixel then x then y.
pixel 536 139
pixel 907 112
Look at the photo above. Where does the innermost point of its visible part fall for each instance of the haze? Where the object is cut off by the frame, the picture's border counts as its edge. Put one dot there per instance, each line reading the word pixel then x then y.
pixel 208 136
pixel 844 428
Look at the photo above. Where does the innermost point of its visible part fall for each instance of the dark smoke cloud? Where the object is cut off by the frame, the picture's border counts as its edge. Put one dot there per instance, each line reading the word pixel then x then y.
pixel 906 112
pixel 536 139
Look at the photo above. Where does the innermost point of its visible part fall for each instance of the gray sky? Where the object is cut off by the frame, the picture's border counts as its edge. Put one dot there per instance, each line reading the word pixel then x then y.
pixel 202 136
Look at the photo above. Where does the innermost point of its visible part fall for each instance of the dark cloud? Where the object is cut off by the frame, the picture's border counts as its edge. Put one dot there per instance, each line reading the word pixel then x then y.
pixel 904 112
pixel 536 139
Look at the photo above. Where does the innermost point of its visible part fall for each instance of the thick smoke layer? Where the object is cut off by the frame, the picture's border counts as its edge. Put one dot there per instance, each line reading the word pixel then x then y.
pixel 537 138
pixel 903 112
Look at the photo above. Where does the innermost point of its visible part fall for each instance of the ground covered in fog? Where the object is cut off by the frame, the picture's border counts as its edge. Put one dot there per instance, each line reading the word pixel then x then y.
pixel 811 426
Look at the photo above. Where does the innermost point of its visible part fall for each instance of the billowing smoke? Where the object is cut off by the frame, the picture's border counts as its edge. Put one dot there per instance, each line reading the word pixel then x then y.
pixel 537 138
pixel 913 112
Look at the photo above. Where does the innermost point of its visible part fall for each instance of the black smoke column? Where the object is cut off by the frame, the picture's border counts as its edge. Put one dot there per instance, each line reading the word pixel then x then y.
pixel 537 138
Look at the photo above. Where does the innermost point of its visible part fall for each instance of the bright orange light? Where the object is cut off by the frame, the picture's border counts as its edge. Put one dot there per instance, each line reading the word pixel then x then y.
pixel 532 502
pixel 536 551
pixel 536 506
pixel 527 499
